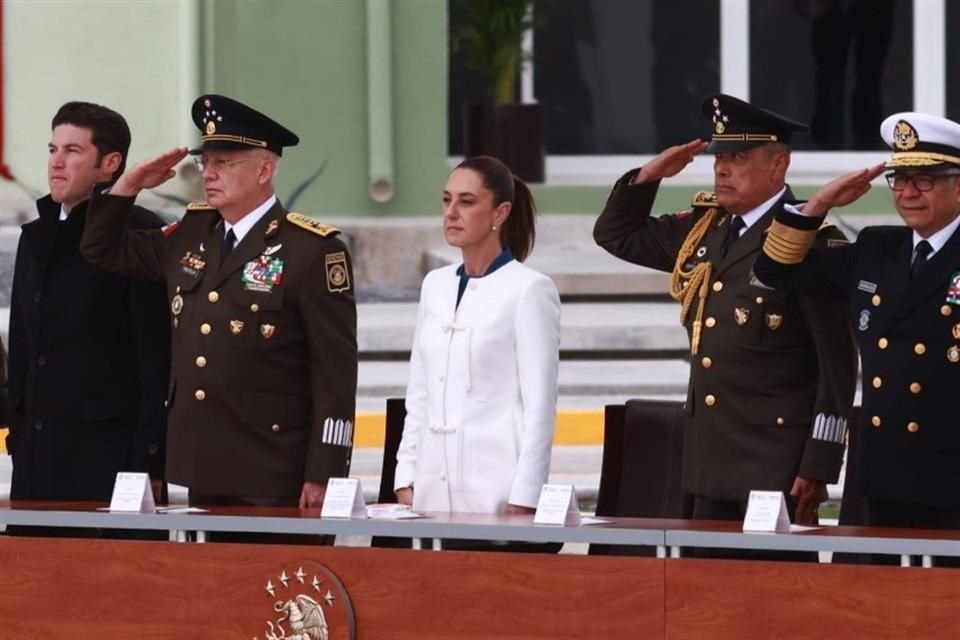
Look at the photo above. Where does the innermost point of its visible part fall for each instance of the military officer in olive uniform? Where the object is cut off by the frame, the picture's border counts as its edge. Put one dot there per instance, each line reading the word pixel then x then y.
pixel 772 374
pixel 903 286
pixel 263 318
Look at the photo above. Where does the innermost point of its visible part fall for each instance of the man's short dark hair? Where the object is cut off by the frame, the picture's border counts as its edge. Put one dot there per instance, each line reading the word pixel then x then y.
pixel 108 129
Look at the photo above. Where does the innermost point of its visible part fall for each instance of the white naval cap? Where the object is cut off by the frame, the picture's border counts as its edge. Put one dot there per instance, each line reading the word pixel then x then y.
pixel 921 140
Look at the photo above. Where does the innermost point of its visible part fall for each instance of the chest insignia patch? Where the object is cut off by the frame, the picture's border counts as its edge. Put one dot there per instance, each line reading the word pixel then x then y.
pixel 774 321
pixel 269 251
pixel 953 289
pixel 864 320
pixel 236 326
pixel 338 279
pixel 267 330
pixel 869 287
pixel 192 264
pixel 741 315
pixel 263 274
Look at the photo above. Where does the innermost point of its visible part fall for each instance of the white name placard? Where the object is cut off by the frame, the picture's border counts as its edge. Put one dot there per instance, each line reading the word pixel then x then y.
pixel 558 506
pixel 344 499
pixel 132 492
pixel 767 512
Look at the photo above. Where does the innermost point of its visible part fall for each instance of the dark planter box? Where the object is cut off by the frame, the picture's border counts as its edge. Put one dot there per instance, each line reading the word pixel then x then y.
pixel 511 132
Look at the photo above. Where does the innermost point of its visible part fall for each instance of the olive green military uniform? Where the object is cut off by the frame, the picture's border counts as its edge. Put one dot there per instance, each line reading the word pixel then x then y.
pixel 264 374
pixel 772 374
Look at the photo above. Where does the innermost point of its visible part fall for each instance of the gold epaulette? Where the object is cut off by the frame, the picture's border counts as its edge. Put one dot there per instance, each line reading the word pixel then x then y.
pixel 200 206
pixel 704 199
pixel 308 223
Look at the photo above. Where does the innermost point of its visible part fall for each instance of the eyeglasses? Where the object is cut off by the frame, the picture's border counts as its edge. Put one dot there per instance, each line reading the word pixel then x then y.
pixel 920 181
pixel 217 164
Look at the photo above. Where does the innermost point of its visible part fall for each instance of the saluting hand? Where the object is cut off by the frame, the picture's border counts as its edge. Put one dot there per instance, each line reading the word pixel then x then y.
pixel 841 191
pixel 149 173
pixel 670 161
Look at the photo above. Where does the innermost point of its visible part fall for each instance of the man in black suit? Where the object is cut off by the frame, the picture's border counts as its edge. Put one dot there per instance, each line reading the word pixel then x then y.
pixel 772 374
pixel 89 350
pixel 903 285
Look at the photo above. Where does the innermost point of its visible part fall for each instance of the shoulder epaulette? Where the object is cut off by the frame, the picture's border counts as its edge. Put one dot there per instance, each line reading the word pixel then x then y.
pixel 199 206
pixel 704 199
pixel 308 223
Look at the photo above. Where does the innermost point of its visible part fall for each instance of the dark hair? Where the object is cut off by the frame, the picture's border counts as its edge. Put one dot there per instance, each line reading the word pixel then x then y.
pixel 108 130
pixel 518 232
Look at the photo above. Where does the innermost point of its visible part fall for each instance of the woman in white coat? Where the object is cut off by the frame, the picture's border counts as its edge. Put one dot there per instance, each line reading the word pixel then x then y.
pixel 481 400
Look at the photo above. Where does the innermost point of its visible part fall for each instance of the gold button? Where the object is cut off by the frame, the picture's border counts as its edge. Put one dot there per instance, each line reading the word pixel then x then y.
pixel 759 299
pixel 875 421
pixel 780 421
pixel 882 343
pixel 711 321
pixel 205 329
pixel 213 296
pixel 913 427
pixel 717 286
pixel 710 400
pixel 920 348
pixel 199 394
pixel 254 307
pixel 275 428
pixel 945 310
pixel 706 362
pixel 877 382
pixel 915 387
pixel 875 300
pixel 201 362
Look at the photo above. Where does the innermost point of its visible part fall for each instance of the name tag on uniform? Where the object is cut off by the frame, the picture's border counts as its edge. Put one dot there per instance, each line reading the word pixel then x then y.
pixel 869 287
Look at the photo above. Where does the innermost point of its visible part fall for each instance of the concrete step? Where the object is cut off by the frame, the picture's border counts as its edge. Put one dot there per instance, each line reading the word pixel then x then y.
pixel 387 327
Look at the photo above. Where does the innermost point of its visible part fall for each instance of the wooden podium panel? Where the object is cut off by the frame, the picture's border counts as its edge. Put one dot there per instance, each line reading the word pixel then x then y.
pixel 60 588
pixel 736 599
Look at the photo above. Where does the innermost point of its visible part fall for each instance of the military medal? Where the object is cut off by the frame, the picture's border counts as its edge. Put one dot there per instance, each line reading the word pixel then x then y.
pixel 774 320
pixel 236 326
pixel 269 251
pixel 864 320
pixel 741 315
pixel 264 273
pixel 266 330
pixel 953 354
pixel 192 264
pixel 176 304
pixel 953 290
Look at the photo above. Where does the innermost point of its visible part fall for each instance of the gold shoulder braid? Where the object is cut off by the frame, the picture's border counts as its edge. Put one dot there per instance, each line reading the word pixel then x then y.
pixel 312 225
pixel 695 282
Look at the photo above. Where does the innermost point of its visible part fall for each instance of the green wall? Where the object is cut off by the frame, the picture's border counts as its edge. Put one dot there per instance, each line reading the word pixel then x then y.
pixel 303 62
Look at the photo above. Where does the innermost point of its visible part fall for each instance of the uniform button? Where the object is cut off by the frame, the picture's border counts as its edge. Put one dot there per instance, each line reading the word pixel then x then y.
pixel 711 321
pixel 875 300
pixel 201 362
pixel 205 329
pixel 41 361
pixel 275 428
pixel 780 421
pixel 254 307
pixel 919 348
pixel 945 310
pixel 883 343
pixel 875 421
pixel 213 296
pixel 759 299
pixel 913 427
pixel 718 286
pixel 915 387
pixel 152 449
pixel 877 382
pixel 38 425
pixel 199 394
pixel 706 362
pixel 710 400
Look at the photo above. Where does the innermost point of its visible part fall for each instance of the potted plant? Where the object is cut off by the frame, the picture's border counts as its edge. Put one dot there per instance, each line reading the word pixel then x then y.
pixel 489 36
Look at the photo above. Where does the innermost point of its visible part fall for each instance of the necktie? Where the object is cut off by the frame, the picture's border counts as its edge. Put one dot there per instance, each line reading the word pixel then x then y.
pixel 920 254
pixel 733 232
pixel 229 242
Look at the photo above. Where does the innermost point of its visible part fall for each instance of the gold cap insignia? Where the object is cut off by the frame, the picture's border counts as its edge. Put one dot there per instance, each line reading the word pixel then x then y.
pixel 904 136
pixel 741 315
pixel 211 127
pixel 338 278
pixel 267 330
pixel 774 320
pixel 236 326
